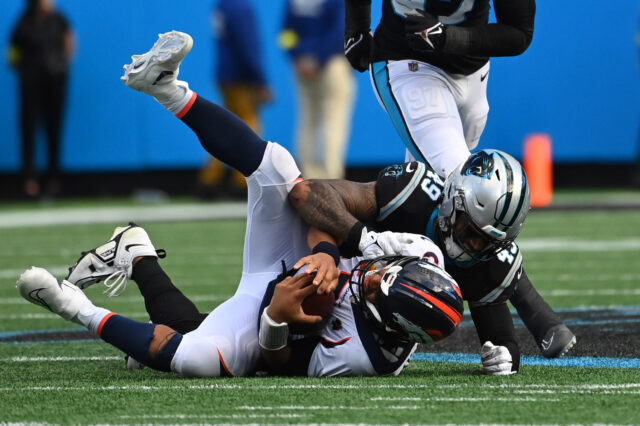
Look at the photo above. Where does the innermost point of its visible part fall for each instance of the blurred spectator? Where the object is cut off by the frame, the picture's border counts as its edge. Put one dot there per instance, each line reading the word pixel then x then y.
pixel 313 36
pixel 40 50
pixel 636 177
pixel 241 79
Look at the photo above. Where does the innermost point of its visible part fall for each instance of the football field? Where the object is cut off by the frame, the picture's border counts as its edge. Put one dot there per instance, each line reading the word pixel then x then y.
pixel 584 262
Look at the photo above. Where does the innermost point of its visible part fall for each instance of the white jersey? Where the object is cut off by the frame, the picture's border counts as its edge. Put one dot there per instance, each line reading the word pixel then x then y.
pixel 349 345
pixel 226 343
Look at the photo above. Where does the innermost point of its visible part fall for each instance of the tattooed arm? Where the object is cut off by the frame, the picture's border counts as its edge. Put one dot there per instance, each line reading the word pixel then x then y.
pixel 335 206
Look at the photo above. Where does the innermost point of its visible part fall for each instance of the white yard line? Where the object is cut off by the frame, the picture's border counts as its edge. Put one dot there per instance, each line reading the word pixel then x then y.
pixel 571 244
pixel 216 416
pixel 626 387
pixel 126 299
pixel 60 358
pixel 150 213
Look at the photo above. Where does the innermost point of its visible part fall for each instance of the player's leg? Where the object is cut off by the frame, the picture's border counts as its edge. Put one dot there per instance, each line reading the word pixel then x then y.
pixel 30 104
pixel 340 89
pixel 129 253
pixel 220 132
pixel 274 231
pixel 226 343
pixel 54 112
pixel 153 345
pixel 309 132
pixel 472 104
pixel 547 328
pixel 420 101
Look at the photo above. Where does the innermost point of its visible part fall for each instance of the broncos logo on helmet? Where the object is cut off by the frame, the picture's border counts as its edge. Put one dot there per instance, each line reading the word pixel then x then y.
pixel 480 164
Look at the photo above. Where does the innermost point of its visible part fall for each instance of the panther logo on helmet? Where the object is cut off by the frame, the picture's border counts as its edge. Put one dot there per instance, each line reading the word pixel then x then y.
pixel 481 164
pixel 396 170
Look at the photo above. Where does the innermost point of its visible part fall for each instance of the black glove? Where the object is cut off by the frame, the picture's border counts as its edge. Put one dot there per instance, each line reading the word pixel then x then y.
pixel 357 49
pixel 424 32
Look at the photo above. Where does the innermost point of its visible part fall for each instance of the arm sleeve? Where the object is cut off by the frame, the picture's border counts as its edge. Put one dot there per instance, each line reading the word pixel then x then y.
pixel 493 322
pixel 357 16
pixel 510 36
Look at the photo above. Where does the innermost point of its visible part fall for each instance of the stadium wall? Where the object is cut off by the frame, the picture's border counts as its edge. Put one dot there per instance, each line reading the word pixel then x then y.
pixel 578 82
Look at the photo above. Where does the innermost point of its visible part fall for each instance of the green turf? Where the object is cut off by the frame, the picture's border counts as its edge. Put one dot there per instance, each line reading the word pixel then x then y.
pixel 591 262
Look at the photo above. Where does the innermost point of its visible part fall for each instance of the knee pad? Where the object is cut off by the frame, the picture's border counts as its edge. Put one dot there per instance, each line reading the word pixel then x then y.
pixel 200 357
pixel 277 167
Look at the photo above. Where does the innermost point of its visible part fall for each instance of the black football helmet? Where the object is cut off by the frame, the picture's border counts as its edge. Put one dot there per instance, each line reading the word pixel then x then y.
pixel 417 301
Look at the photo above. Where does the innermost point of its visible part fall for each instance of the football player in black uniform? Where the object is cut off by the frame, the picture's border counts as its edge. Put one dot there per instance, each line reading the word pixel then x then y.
pixel 429 63
pixel 474 216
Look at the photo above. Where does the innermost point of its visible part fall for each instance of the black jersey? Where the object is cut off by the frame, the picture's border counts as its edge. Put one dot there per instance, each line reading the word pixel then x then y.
pixel 470 41
pixel 408 197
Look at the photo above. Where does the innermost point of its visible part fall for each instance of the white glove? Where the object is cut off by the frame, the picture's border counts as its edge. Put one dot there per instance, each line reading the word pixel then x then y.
pixel 374 244
pixel 496 360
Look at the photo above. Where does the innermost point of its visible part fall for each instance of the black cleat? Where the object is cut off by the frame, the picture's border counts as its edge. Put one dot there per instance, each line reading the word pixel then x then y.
pixel 557 342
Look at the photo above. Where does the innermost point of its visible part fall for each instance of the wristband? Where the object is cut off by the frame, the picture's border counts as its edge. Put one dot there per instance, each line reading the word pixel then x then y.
pixel 350 247
pixel 273 335
pixel 328 248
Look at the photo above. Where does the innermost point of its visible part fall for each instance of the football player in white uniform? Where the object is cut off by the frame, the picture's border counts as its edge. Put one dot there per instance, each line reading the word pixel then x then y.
pixel 226 342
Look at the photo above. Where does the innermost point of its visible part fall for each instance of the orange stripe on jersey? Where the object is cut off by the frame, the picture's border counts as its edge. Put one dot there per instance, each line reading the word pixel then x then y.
pixel 453 315
pixel 226 370
pixel 344 287
pixel 104 320
pixel 339 342
pixel 188 106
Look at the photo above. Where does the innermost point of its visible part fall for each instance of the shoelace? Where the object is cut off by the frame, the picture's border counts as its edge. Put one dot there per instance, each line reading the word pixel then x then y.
pixel 116 283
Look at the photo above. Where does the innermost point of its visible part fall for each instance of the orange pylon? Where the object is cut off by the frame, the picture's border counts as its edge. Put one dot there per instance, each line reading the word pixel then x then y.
pixel 538 164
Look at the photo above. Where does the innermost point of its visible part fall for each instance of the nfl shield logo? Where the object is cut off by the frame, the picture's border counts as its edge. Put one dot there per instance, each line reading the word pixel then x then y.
pixel 413 66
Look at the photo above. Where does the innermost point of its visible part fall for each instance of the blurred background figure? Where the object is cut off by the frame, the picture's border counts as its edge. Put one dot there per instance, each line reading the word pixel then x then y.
pixel 240 76
pixel 40 50
pixel 636 175
pixel 313 36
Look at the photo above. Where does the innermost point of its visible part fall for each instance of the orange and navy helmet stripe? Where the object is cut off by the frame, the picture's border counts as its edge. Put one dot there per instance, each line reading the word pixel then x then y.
pixel 454 316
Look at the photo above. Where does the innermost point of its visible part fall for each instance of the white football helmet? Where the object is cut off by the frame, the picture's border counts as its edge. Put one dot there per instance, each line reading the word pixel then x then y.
pixel 486 200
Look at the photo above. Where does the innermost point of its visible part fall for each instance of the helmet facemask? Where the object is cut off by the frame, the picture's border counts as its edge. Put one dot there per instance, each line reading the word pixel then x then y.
pixel 485 203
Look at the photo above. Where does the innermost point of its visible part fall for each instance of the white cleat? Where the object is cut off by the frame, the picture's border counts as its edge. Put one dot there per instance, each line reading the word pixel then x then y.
pixel 160 66
pixel 39 287
pixel 113 261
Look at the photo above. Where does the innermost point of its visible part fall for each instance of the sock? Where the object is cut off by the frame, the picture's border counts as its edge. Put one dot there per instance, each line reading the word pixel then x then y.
pixel 224 135
pixel 133 338
pixel 91 316
pixel 165 304
pixel 174 96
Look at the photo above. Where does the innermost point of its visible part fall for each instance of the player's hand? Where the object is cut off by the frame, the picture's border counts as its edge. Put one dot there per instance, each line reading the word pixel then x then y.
pixel 323 266
pixel 374 244
pixel 286 303
pixel 496 360
pixel 357 49
pixel 424 32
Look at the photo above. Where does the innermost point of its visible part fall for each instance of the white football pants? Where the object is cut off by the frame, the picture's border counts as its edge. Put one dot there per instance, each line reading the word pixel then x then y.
pixel 226 343
pixel 439 116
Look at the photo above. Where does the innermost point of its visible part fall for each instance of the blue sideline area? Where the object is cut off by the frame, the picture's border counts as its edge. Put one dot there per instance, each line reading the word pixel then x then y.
pixel 579 87
pixel 584 361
